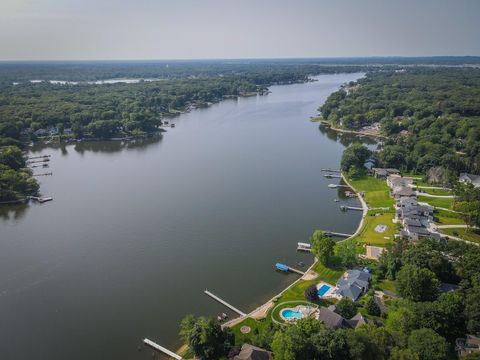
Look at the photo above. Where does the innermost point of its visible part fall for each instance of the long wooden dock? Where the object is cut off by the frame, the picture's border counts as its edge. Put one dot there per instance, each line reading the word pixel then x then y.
pixel 332 170
pixel 332 233
pixel 332 176
pixel 223 302
pixel 162 349
pixel 345 208
pixel 44 174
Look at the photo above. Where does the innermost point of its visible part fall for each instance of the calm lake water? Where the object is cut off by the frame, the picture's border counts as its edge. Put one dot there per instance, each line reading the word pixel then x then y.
pixel 137 231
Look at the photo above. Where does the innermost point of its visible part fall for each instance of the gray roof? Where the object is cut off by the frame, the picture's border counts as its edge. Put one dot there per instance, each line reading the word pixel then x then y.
pixel 403 191
pixel 357 320
pixel 418 230
pixel 331 319
pixel 353 283
pixel 250 352
pixel 412 221
pixel 470 178
pixel 352 291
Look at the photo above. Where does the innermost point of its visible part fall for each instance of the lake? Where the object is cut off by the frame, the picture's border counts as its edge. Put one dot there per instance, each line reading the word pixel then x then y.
pixel 137 231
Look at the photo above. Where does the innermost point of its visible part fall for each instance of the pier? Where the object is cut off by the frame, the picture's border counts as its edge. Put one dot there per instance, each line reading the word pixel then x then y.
pixel 345 208
pixel 286 268
pixel 162 349
pixel 231 307
pixel 44 174
pixel 332 233
pixel 41 199
pixel 37 161
pixel 333 186
pixel 332 176
pixel 331 170
pixel 38 157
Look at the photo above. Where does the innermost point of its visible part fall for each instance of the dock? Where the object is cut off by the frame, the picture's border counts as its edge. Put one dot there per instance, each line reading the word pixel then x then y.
pixel 37 157
pixel 345 208
pixel 332 170
pixel 286 268
pixel 304 247
pixel 333 186
pixel 332 176
pixel 332 233
pixel 41 199
pixel 44 174
pixel 223 302
pixel 37 161
pixel 162 349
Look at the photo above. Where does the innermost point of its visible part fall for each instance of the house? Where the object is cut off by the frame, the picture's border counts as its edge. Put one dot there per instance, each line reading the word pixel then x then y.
pixel 381 173
pixel 357 320
pixel 468 346
pixel 398 181
pixel 353 283
pixel 416 233
pixel 330 318
pixel 250 352
pixel 470 178
pixel 402 191
pixel 333 320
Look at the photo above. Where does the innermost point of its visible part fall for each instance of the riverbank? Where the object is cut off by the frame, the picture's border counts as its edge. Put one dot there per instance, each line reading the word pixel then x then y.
pixel 371 133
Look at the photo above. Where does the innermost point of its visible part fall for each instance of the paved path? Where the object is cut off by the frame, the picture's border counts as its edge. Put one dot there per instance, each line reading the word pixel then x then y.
pixel 455 226
pixel 428 187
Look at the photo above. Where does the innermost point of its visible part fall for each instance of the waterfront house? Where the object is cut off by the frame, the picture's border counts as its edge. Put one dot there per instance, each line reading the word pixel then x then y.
pixel 402 191
pixel 353 283
pixel 382 173
pixel 398 181
pixel 470 178
pixel 467 346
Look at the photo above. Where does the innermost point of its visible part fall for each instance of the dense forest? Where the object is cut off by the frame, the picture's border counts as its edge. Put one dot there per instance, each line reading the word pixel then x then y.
pixel 431 116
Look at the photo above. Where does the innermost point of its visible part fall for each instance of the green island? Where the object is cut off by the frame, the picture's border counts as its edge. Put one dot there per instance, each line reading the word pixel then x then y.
pixel 416 254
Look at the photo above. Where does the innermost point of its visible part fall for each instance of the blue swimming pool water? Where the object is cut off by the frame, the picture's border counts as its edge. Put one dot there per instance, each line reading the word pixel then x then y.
pixel 323 289
pixel 291 315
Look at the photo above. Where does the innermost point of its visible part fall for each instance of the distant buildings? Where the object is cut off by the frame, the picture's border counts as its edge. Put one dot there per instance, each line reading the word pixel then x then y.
pixel 470 178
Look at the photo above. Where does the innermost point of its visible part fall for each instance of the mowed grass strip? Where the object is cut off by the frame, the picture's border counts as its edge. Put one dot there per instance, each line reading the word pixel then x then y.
pixel 377 192
pixel 465 234
pixel 446 203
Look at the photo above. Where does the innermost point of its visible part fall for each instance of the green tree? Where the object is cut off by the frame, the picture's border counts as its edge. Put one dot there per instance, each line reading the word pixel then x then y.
pixel 322 247
pixel 417 284
pixel 428 345
pixel 372 307
pixel 355 155
pixel 346 307
pixel 205 337
pixel 403 354
pixel 347 252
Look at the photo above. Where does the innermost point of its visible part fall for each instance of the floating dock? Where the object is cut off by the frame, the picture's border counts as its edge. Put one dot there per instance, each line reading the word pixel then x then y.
pixel 223 302
pixel 162 349
pixel 44 174
pixel 332 170
pixel 334 186
pixel 286 268
pixel 38 157
pixel 332 233
pixel 304 247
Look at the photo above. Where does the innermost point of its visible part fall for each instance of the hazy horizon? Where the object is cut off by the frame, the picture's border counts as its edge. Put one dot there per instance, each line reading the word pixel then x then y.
pixel 74 30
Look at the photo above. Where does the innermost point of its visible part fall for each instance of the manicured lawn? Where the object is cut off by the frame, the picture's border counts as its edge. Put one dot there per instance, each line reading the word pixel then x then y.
pixel 448 218
pixel 369 236
pixel 465 234
pixel 377 193
pixel 436 191
pixel 439 202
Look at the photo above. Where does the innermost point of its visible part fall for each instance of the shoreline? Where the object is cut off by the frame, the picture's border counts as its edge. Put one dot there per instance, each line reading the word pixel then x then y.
pixel 361 133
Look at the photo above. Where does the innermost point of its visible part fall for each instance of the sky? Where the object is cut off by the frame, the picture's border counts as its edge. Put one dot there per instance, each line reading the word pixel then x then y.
pixel 208 29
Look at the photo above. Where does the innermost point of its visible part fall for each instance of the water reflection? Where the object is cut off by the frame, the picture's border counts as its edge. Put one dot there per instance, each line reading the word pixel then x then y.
pixel 13 212
pixel 347 138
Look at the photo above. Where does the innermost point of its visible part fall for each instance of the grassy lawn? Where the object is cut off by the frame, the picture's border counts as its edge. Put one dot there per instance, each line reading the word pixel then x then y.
pixel 436 191
pixel 465 234
pixel 388 285
pixel 440 202
pixel 377 193
pixel 369 236
pixel 448 218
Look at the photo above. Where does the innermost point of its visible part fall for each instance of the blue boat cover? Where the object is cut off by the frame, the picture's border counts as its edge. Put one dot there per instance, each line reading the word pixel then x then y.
pixel 281 267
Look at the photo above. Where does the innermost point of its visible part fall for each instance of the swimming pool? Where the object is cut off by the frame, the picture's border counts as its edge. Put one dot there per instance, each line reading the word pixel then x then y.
pixel 323 289
pixel 289 314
